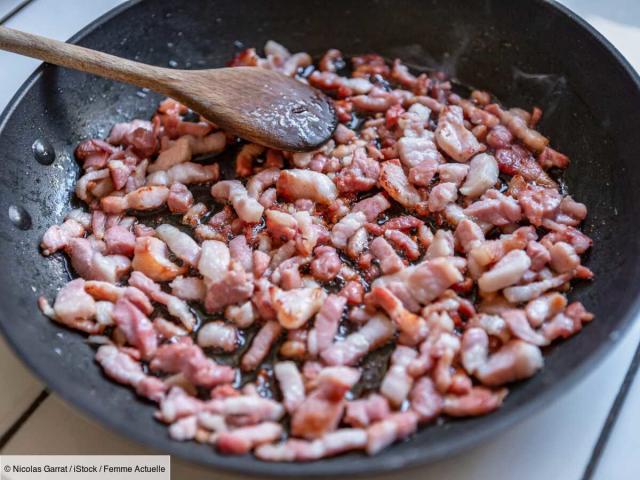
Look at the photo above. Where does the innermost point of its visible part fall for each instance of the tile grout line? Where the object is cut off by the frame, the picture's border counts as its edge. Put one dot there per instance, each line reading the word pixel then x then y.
pixel 612 417
pixel 14 11
pixel 13 429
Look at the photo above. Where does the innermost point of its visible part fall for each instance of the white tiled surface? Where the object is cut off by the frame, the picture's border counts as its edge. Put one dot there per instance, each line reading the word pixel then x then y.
pixel 555 443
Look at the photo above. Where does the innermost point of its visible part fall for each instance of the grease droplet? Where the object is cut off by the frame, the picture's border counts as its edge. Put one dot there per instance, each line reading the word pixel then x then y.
pixel 20 217
pixel 43 152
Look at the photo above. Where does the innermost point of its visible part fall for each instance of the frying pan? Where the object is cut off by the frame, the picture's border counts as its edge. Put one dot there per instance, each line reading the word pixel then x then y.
pixel 536 54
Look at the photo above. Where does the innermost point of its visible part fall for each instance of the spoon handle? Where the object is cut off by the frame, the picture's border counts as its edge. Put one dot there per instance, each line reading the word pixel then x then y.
pixel 87 60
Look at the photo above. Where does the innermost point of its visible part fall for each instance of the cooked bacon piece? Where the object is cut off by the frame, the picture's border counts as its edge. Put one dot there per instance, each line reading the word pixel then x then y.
pixel 365 411
pixel 563 258
pixel 409 323
pixel 250 407
pixel 89 262
pixel 180 199
pixel 394 181
pixel 218 335
pixel 261 345
pixel 331 61
pixel 549 158
pixel 499 137
pixel 567 323
pixel 57 237
pixel 397 382
pixel 243 440
pixel 295 184
pixel 360 176
pixel 389 260
pixel 144 198
pixel 520 328
pixel 241 252
pixel 235 286
pixel 508 271
pixel 244 160
pixel 425 400
pixel 186 173
pixel 307 235
pixel 322 410
pixel 514 361
pixel 179 152
pixel 372 206
pixel 184 429
pixel 452 136
pixel 247 208
pixel 404 243
pixel 524 293
pixel 516 160
pixel 518 127
pixel 395 427
pixel 151 258
pixel 291 384
pixel 124 369
pixel 136 327
pixel 326 324
pixel 544 307
pixel 428 280
pixel 421 157
pixel 475 347
pixel 495 208
pixel 168 330
pixel 295 307
pixel 476 116
pixel 138 134
pixel 345 228
pixel 441 195
pixel 176 307
pixel 188 359
pixel 258 183
pixel 483 175
pixel 376 101
pixel 479 401
pixel 243 316
pixel 344 135
pixel 93 153
pixel 330 444
pixel 73 307
pixel 453 172
pixel 214 260
pixel 281 225
pixel 441 245
pixel 181 244
pixel 119 241
pixel 571 213
pixel 188 288
pixel 578 240
pixel 538 203
pixel 468 235
pixel 376 332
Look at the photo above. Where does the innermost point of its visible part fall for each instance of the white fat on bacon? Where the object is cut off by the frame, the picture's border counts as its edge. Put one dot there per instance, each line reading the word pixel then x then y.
pixel 376 332
pixel 295 184
pixel 247 208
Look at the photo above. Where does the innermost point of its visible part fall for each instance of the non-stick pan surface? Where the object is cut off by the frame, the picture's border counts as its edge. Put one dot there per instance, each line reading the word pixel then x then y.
pixel 527 53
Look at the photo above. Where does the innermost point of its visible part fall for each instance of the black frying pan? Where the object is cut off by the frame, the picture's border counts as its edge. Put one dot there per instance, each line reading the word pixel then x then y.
pixel 537 53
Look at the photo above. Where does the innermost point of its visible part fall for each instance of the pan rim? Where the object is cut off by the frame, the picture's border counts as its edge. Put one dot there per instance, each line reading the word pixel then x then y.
pixel 377 464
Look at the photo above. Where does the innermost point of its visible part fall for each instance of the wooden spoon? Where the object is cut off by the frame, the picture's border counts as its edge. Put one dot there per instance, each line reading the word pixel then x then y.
pixel 259 105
